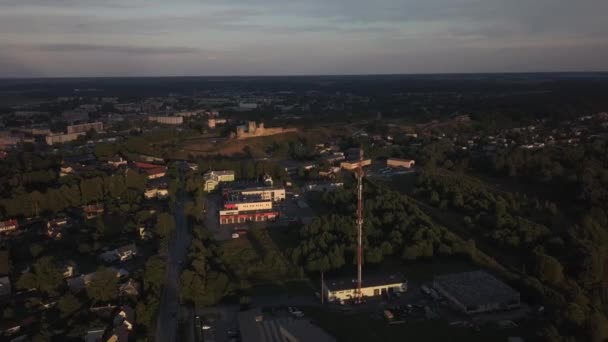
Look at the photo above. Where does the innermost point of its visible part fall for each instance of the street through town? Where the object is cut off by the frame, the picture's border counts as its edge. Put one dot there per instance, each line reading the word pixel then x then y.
pixel 169 311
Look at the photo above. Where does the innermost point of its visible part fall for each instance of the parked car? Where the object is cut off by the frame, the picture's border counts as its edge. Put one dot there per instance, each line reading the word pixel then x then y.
pixel 235 235
pixel 295 312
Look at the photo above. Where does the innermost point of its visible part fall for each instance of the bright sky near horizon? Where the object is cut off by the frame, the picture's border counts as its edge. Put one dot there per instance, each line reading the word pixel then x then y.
pixel 40 38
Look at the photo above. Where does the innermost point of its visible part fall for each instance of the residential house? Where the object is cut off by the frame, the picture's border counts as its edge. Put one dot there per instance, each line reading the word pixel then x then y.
pixel 117 160
pixel 130 288
pixel 92 210
pixel 126 252
pixel 153 171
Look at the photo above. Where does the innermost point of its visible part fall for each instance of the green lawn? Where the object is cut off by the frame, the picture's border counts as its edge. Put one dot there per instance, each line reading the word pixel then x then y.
pixel 353 327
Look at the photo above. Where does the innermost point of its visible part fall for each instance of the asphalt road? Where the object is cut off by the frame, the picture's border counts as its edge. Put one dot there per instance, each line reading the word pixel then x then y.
pixel 169 311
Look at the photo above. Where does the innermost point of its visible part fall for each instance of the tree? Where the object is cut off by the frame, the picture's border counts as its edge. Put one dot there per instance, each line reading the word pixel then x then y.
pixel 154 274
pixel 68 304
pixel 104 286
pixel 45 276
pixel 165 225
pixel 548 268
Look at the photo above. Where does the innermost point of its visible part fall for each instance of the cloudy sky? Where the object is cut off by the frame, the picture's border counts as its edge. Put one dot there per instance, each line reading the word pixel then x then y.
pixel 285 37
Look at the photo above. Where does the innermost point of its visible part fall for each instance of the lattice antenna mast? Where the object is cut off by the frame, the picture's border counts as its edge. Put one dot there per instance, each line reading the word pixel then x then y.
pixel 360 173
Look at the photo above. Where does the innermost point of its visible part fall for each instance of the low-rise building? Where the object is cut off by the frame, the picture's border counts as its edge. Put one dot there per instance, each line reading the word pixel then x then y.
pixel 395 162
pixel 92 210
pixel 323 186
pixel 153 171
pixel 275 194
pixel 255 327
pixel 212 179
pixel 342 290
pixel 8 226
pixel 247 209
pixel 167 120
pixel 351 165
pixel 476 292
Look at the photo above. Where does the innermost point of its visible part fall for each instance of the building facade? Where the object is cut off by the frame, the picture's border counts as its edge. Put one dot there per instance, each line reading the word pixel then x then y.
pixel 344 290
pixel 167 120
pixel 275 194
pixel 83 128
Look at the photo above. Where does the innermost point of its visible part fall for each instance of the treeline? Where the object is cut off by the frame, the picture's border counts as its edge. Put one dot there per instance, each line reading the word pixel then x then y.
pixel 502 217
pixel 204 281
pixel 394 227
pixel 566 261
pixel 244 168
pixel 127 187
pixel 580 172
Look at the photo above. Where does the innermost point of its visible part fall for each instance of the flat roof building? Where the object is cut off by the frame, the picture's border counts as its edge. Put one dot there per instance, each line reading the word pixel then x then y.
pixel 167 120
pixel 342 290
pixel 395 162
pixel 255 327
pixel 476 292
pixel 275 194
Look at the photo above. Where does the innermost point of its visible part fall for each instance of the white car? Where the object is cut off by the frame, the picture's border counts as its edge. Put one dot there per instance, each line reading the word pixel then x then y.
pixel 295 312
pixel 235 235
pixel 206 327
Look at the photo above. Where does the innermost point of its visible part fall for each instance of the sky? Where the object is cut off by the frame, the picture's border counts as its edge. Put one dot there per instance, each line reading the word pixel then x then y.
pixel 61 38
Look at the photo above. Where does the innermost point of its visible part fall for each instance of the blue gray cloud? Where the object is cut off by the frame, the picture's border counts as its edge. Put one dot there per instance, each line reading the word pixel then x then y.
pixel 148 37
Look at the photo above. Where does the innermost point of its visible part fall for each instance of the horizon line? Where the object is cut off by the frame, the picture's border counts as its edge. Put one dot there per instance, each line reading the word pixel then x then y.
pixel 310 75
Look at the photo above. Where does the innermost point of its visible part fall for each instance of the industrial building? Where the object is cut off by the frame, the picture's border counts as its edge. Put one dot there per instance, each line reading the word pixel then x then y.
pixel 167 120
pixel 476 292
pixel 342 290
pixel 213 178
pixel 395 162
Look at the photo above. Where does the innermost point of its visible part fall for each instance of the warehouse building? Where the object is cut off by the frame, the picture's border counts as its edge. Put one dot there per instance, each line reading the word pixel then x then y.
pixel 342 290
pixel 476 292
pixel 255 327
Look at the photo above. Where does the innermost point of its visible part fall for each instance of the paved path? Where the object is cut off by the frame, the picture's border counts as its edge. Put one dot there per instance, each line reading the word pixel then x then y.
pixel 166 327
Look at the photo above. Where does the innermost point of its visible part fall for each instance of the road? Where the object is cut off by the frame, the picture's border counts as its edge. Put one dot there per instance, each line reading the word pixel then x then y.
pixel 166 327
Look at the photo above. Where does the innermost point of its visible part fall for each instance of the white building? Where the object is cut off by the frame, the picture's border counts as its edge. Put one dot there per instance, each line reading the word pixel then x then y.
pixel 345 289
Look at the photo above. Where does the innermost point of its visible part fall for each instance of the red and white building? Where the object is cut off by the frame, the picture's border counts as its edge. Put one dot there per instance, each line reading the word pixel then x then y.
pixel 8 226
pixel 247 210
